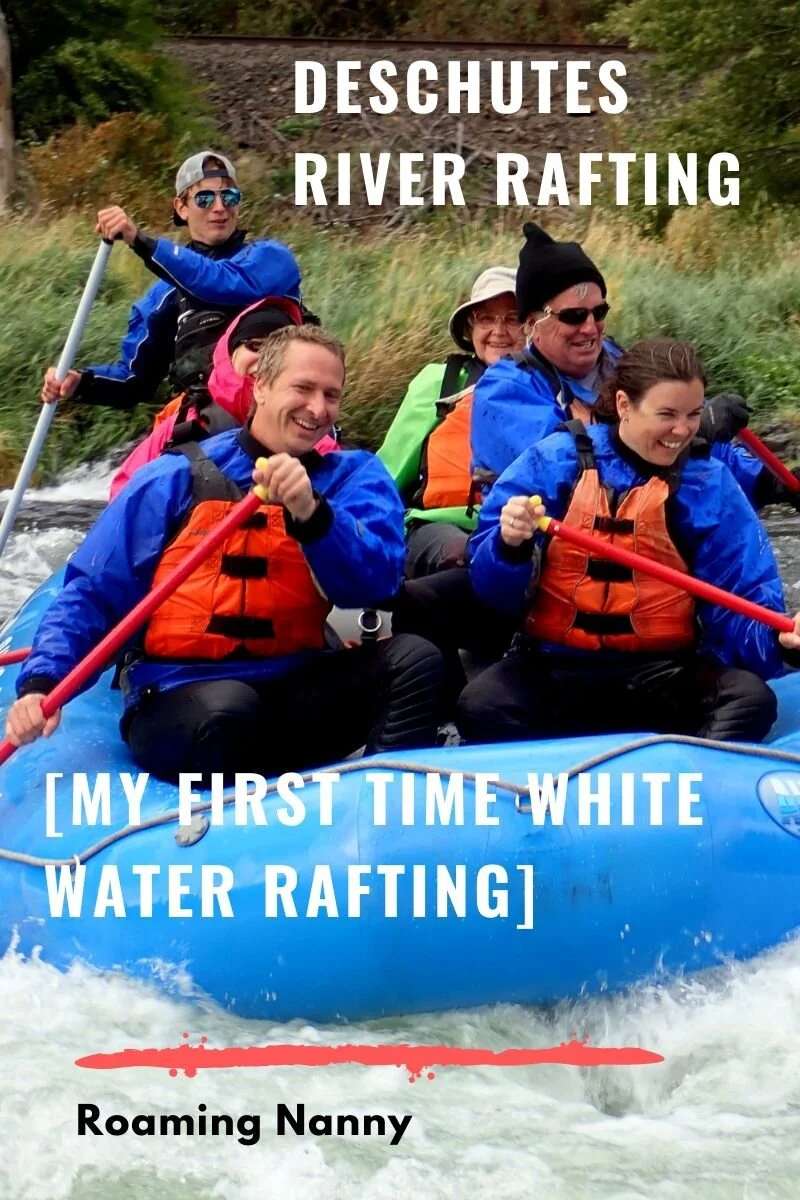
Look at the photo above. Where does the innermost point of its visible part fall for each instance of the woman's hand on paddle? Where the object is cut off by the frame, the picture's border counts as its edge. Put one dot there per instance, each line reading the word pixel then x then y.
pixel 518 520
pixel 26 721
pixel 52 390
pixel 791 641
pixel 288 483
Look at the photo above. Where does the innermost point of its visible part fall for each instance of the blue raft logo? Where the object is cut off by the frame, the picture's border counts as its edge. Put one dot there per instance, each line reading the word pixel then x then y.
pixel 779 793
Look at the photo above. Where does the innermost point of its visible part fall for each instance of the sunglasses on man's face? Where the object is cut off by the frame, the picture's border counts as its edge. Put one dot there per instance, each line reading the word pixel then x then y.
pixel 577 316
pixel 230 197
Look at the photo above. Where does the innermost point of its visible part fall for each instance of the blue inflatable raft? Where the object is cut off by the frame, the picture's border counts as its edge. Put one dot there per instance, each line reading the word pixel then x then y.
pixel 512 905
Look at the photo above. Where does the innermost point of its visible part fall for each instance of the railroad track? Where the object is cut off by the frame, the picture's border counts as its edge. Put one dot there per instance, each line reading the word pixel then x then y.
pixel 250 88
pixel 379 44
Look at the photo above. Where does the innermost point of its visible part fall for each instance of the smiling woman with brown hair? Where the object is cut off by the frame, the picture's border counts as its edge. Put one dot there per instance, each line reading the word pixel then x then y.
pixel 652 656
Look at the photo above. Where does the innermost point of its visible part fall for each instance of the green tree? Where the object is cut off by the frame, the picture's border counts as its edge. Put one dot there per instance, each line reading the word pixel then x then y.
pixel 6 122
pixel 731 67
pixel 189 16
pixel 86 59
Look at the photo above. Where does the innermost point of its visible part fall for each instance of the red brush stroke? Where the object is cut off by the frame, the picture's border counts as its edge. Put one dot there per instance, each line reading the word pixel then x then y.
pixel 415 1059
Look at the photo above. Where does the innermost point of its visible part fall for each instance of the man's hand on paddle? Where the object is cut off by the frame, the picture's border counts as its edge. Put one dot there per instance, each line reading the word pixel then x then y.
pixel 52 390
pixel 114 222
pixel 287 482
pixel 26 721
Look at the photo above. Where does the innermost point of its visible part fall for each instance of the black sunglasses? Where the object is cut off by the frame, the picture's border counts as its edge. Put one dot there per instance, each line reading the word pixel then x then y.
pixel 576 316
pixel 230 197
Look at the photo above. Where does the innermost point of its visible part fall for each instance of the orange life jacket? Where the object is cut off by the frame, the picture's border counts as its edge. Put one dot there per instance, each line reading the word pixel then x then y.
pixel 255 593
pixel 592 603
pixel 446 476
pixel 172 406
pixel 447 479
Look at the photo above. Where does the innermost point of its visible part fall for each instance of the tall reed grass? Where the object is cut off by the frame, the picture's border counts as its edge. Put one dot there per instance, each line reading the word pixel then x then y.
pixel 733 290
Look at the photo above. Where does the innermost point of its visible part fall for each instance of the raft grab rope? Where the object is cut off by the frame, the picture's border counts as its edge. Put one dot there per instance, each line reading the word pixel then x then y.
pixel 516 789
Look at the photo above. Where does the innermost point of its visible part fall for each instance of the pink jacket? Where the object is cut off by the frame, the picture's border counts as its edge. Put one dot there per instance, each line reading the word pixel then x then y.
pixel 228 389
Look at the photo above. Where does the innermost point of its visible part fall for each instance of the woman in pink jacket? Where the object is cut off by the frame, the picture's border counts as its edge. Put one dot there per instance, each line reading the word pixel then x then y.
pixel 230 386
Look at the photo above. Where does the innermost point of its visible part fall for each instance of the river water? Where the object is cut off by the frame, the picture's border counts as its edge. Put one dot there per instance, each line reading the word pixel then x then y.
pixel 719 1119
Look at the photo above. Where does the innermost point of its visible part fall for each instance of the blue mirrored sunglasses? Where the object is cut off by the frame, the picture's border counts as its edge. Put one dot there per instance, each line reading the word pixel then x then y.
pixel 230 197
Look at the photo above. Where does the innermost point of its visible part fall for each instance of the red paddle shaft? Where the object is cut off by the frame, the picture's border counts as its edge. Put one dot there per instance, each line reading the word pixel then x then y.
pixel 779 469
pixel 696 587
pixel 14 656
pixel 103 651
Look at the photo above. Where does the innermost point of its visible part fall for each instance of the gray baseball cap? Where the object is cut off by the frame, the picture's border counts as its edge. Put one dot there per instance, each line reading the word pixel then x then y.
pixel 194 171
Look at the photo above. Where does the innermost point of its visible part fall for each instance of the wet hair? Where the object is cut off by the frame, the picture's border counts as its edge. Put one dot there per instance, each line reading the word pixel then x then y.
pixel 655 360
pixel 273 353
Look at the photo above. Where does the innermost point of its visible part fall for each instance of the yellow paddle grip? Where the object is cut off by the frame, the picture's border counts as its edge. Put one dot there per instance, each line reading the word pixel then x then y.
pixel 543 523
pixel 259 489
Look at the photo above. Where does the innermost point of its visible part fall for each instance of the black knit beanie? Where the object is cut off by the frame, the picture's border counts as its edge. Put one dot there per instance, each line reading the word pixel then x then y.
pixel 258 324
pixel 547 268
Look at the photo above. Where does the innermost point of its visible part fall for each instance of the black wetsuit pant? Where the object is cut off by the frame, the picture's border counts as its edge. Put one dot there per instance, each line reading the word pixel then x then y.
pixel 444 609
pixel 531 694
pixel 386 695
pixel 433 546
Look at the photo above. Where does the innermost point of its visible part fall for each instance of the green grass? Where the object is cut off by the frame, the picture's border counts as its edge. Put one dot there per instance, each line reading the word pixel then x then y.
pixel 731 289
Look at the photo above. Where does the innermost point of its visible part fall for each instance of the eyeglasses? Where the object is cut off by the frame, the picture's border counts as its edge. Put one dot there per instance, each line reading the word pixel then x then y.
pixel 485 320
pixel 230 197
pixel 576 316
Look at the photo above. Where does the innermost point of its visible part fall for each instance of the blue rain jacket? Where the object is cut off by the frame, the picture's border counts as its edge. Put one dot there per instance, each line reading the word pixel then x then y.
pixel 233 276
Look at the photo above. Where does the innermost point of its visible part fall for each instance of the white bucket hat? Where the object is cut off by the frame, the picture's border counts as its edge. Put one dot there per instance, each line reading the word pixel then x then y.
pixel 496 281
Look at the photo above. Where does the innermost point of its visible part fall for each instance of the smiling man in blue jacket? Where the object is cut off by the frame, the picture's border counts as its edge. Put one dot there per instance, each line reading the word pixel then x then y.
pixel 201 287
pixel 232 672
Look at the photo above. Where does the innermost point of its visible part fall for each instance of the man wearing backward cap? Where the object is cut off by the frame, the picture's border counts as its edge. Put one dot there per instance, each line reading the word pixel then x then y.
pixel 200 288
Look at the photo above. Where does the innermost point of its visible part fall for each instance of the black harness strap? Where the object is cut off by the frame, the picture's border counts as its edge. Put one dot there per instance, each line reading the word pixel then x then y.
pixel 242 628
pixel 244 566
pixel 603 624
pixel 606 571
pixel 583 444
pixel 453 367
pixel 208 482
pixel 531 361
pixel 613 525
pixel 453 387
